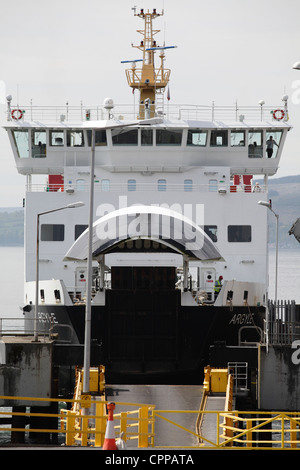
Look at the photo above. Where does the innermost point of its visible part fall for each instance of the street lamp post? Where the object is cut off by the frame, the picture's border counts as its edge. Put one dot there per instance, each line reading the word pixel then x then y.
pixel 268 205
pixel 69 206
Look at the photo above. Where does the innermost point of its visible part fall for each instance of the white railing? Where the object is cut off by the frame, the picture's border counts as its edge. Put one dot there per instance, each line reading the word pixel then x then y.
pixel 141 187
pixel 83 112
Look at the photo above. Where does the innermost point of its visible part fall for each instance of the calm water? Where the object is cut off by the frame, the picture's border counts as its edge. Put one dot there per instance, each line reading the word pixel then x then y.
pixel 12 276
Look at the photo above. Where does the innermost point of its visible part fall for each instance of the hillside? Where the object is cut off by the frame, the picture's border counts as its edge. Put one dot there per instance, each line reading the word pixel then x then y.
pixel 284 193
pixel 285 196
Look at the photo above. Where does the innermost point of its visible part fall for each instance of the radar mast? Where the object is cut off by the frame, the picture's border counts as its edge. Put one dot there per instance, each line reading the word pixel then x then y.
pixel 150 81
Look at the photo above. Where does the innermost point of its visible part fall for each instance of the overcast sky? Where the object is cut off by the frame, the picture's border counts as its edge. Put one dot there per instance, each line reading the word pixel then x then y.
pixel 227 51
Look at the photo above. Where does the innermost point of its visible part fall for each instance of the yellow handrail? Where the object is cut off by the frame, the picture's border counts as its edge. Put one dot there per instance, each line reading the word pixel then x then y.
pixel 242 430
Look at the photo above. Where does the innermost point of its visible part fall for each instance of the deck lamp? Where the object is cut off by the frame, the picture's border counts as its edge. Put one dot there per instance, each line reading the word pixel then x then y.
pixel 268 204
pixel 69 206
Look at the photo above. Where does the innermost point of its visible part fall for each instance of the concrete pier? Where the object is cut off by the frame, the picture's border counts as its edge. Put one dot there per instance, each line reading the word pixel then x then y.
pixel 25 369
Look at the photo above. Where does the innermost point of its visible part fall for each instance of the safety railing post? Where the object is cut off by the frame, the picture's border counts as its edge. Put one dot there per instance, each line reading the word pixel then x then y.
pixel 123 425
pixel 70 428
pixel 249 433
pixel 293 433
pixel 84 430
pixel 100 423
pixel 143 427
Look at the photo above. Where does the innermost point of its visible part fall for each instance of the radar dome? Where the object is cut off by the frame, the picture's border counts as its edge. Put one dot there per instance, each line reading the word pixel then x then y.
pixel 108 103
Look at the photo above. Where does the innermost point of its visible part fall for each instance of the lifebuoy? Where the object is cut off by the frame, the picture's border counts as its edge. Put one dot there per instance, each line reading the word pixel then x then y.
pixel 278 118
pixel 17 114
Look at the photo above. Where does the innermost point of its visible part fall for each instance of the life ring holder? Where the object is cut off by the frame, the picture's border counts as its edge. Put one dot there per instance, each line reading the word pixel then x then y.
pixel 17 114
pixel 278 118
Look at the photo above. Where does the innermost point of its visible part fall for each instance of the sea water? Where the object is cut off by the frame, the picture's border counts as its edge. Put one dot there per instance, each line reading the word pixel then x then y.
pixel 11 286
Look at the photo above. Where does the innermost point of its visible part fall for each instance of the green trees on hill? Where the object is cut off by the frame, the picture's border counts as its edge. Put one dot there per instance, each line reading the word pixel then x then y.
pixel 12 228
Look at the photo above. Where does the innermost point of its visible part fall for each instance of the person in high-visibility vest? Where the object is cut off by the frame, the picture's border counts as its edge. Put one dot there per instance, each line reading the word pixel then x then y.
pixel 218 286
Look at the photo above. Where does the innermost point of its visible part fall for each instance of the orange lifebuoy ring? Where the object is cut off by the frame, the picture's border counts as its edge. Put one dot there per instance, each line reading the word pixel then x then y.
pixel 18 116
pixel 278 118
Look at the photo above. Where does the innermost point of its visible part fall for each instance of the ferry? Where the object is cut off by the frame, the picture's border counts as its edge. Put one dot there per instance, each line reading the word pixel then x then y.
pixel 151 214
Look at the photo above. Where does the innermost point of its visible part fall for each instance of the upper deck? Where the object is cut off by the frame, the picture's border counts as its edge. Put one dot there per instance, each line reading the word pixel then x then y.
pixel 46 140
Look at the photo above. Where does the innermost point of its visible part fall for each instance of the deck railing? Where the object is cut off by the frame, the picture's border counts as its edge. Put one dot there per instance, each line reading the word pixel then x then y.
pixel 282 325
pixel 142 187
pixel 68 113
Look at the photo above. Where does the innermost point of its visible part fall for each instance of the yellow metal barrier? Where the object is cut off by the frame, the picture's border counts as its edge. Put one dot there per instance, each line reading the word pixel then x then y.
pixel 89 429
pixel 240 429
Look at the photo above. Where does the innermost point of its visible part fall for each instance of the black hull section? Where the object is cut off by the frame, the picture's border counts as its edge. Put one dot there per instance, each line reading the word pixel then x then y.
pixel 145 335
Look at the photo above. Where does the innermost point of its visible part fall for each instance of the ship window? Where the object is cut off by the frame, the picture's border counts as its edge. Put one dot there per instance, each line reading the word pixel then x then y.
pixel 57 138
pixel 213 185
pixel 168 136
pixel 52 232
pixel 124 136
pixel 162 185
pixel 100 138
pixel 146 136
pixel 75 139
pixel 105 185
pixel 188 185
pixel 196 137
pixel 255 144
pixel 57 294
pixel 239 233
pixel 219 138
pixel 79 229
pixel 80 184
pixel 272 148
pixel 38 147
pixel 211 231
pixel 22 143
pixel 237 139
pixel 131 185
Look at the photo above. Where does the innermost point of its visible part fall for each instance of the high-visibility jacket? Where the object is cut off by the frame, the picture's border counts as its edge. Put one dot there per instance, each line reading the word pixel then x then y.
pixel 218 285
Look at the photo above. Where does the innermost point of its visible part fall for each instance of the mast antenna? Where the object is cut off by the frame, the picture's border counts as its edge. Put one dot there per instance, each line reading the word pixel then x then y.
pixel 148 80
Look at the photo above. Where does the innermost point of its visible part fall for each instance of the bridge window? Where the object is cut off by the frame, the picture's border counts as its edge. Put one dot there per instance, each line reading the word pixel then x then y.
pixel 255 144
pixel 162 185
pixel 131 185
pixel 188 185
pixel 75 139
pixel 146 136
pixel 219 138
pixel 196 137
pixel 237 138
pixel 100 138
pixel 239 233
pixel 168 136
pixel 57 138
pixel 124 136
pixel 22 143
pixel 273 139
pixel 38 147
pixel 52 232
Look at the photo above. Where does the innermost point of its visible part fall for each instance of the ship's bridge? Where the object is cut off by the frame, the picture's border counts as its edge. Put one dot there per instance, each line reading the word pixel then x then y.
pixel 173 145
